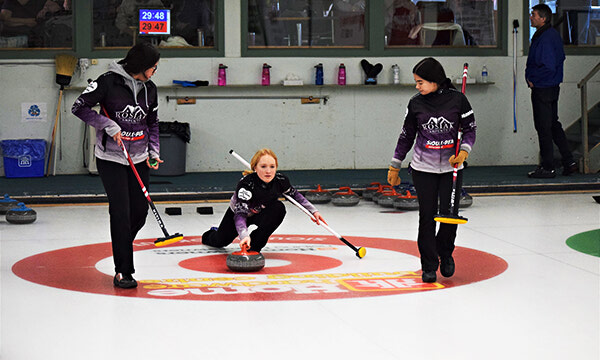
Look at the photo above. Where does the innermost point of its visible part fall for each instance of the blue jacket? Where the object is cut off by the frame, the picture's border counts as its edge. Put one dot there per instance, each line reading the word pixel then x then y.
pixel 546 57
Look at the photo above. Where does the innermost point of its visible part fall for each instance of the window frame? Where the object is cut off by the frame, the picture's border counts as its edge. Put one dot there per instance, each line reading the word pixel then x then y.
pixel 83 45
pixel 569 50
pixel 374 44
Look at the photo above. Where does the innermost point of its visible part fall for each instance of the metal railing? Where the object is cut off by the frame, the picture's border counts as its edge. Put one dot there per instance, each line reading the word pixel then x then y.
pixel 584 118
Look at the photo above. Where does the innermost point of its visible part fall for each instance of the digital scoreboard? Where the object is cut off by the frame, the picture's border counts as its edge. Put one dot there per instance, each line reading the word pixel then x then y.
pixel 155 22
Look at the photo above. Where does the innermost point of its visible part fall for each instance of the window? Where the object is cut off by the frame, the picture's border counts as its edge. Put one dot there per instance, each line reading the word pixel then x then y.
pixel 577 21
pixel 374 27
pixel 451 23
pixel 106 28
pixel 306 24
pixel 165 23
pixel 36 24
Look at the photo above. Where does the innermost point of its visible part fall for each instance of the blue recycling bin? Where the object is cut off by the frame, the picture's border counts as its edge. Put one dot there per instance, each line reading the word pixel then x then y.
pixel 24 157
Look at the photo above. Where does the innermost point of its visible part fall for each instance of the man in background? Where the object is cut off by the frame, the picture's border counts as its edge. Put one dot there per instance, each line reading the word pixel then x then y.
pixel 544 73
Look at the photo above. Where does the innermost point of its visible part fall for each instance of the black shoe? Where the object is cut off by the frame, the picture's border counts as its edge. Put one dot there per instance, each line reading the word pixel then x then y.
pixel 541 173
pixel 570 169
pixel 447 267
pixel 124 281
pixel 428 276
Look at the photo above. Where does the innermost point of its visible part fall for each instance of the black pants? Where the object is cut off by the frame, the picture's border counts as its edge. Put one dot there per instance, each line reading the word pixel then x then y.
pixel 127 207
pixel 549 129
pixel 431 187
pixel 267 221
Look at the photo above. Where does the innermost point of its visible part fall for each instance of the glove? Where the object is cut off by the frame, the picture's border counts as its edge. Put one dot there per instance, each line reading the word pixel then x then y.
pixel 393 178
pixel 462 156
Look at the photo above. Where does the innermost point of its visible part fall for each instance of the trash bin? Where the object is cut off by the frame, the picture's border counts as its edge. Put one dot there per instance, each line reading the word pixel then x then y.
pixel 24 157
pixel 173 138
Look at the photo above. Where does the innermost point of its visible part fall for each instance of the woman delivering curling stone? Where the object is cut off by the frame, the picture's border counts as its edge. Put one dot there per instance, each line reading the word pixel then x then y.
pixel 255 202
pixel 434 117
pixel 129 103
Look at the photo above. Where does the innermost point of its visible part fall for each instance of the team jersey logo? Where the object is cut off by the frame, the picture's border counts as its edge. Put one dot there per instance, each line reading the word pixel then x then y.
pixel 244 194
pixel 131 114
pixel 91 87
pixel 437 125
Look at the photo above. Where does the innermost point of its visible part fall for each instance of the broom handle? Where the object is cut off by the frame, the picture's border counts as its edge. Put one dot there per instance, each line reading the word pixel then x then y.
pixel 51 150
pixel 458 138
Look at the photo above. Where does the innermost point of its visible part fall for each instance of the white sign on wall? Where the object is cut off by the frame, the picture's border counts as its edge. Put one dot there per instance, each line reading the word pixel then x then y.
pixel 34 112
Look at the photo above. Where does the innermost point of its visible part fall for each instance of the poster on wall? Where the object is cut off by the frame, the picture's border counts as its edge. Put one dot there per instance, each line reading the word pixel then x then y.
pixel 33 112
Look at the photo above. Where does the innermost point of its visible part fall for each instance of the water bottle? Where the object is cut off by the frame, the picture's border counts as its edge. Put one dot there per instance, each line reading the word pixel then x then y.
pixel 342 74
pixel 396 71
pixel 266 75
pixel 484 74
pixel 319 74
pixel 222 81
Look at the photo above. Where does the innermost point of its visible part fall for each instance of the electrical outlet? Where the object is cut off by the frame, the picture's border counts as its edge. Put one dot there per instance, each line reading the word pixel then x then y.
pixel 94 61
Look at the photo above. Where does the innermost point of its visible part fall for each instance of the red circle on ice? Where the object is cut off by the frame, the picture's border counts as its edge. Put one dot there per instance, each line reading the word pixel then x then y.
pixel 304 267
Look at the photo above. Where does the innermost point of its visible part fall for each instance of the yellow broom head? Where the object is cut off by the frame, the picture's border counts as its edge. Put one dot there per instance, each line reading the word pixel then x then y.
pixel 65 66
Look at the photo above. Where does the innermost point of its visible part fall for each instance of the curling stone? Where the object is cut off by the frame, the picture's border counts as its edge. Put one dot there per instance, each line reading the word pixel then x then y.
pixel 21 215
pixel 387 198
pixel 318 196
pixel 380 191
pixel 370 190
pixel 466 200
pixel 345 197
pixel 406 202
pixel 245 260
pixel 6 204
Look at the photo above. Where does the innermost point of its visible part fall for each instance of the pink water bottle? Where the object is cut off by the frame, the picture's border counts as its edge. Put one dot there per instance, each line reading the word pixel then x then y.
pixel 342 74
pixel 222 75
pixel 266 75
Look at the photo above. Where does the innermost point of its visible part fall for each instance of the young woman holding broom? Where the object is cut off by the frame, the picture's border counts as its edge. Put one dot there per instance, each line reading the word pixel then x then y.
pixel 434 117
pixel 129 115
pixel 255 201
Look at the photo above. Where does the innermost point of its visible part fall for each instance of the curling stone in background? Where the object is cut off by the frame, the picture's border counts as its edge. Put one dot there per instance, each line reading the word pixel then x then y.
pixel 21 215
pixel 387 198
pixel 345 197
pixel 380 191
pixel 466 200
pixel 6 204
pixel 407 201
pixel 318 196
pixel 245 260
pixel 370 190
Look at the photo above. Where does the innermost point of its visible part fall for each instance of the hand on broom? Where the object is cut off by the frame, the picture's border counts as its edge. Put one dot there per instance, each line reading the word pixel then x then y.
pixel 317 218
pixel 458 160
pixel 392 177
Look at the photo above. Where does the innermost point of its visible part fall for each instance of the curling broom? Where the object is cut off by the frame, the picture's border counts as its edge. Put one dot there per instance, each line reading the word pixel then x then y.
pixel 167 239
pixel 451 218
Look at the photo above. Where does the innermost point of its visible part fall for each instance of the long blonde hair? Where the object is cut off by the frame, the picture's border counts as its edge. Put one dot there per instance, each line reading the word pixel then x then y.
pixel 256 158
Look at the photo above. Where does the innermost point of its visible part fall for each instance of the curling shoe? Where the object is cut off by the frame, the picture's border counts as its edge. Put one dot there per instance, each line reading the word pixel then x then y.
pixel 570 169
pixel 428 276
pixel 124 281
pixel 541 173
pixel 447 266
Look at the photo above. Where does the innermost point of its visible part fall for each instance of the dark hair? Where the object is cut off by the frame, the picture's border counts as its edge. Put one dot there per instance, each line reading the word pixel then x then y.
pixel 140 58
pixel 543 11
pixel 431 70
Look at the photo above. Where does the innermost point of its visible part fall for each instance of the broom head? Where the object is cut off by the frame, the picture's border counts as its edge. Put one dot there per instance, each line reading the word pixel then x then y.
pixel 65 66
pixel 450 219
pixel 167 240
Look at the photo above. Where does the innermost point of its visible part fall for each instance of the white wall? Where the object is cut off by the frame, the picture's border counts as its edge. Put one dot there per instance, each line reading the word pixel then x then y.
pixel 357 128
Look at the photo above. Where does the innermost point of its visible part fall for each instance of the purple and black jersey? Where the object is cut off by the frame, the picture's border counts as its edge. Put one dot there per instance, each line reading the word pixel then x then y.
pixel 132 108
pixel 434 120
pixel 252 195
